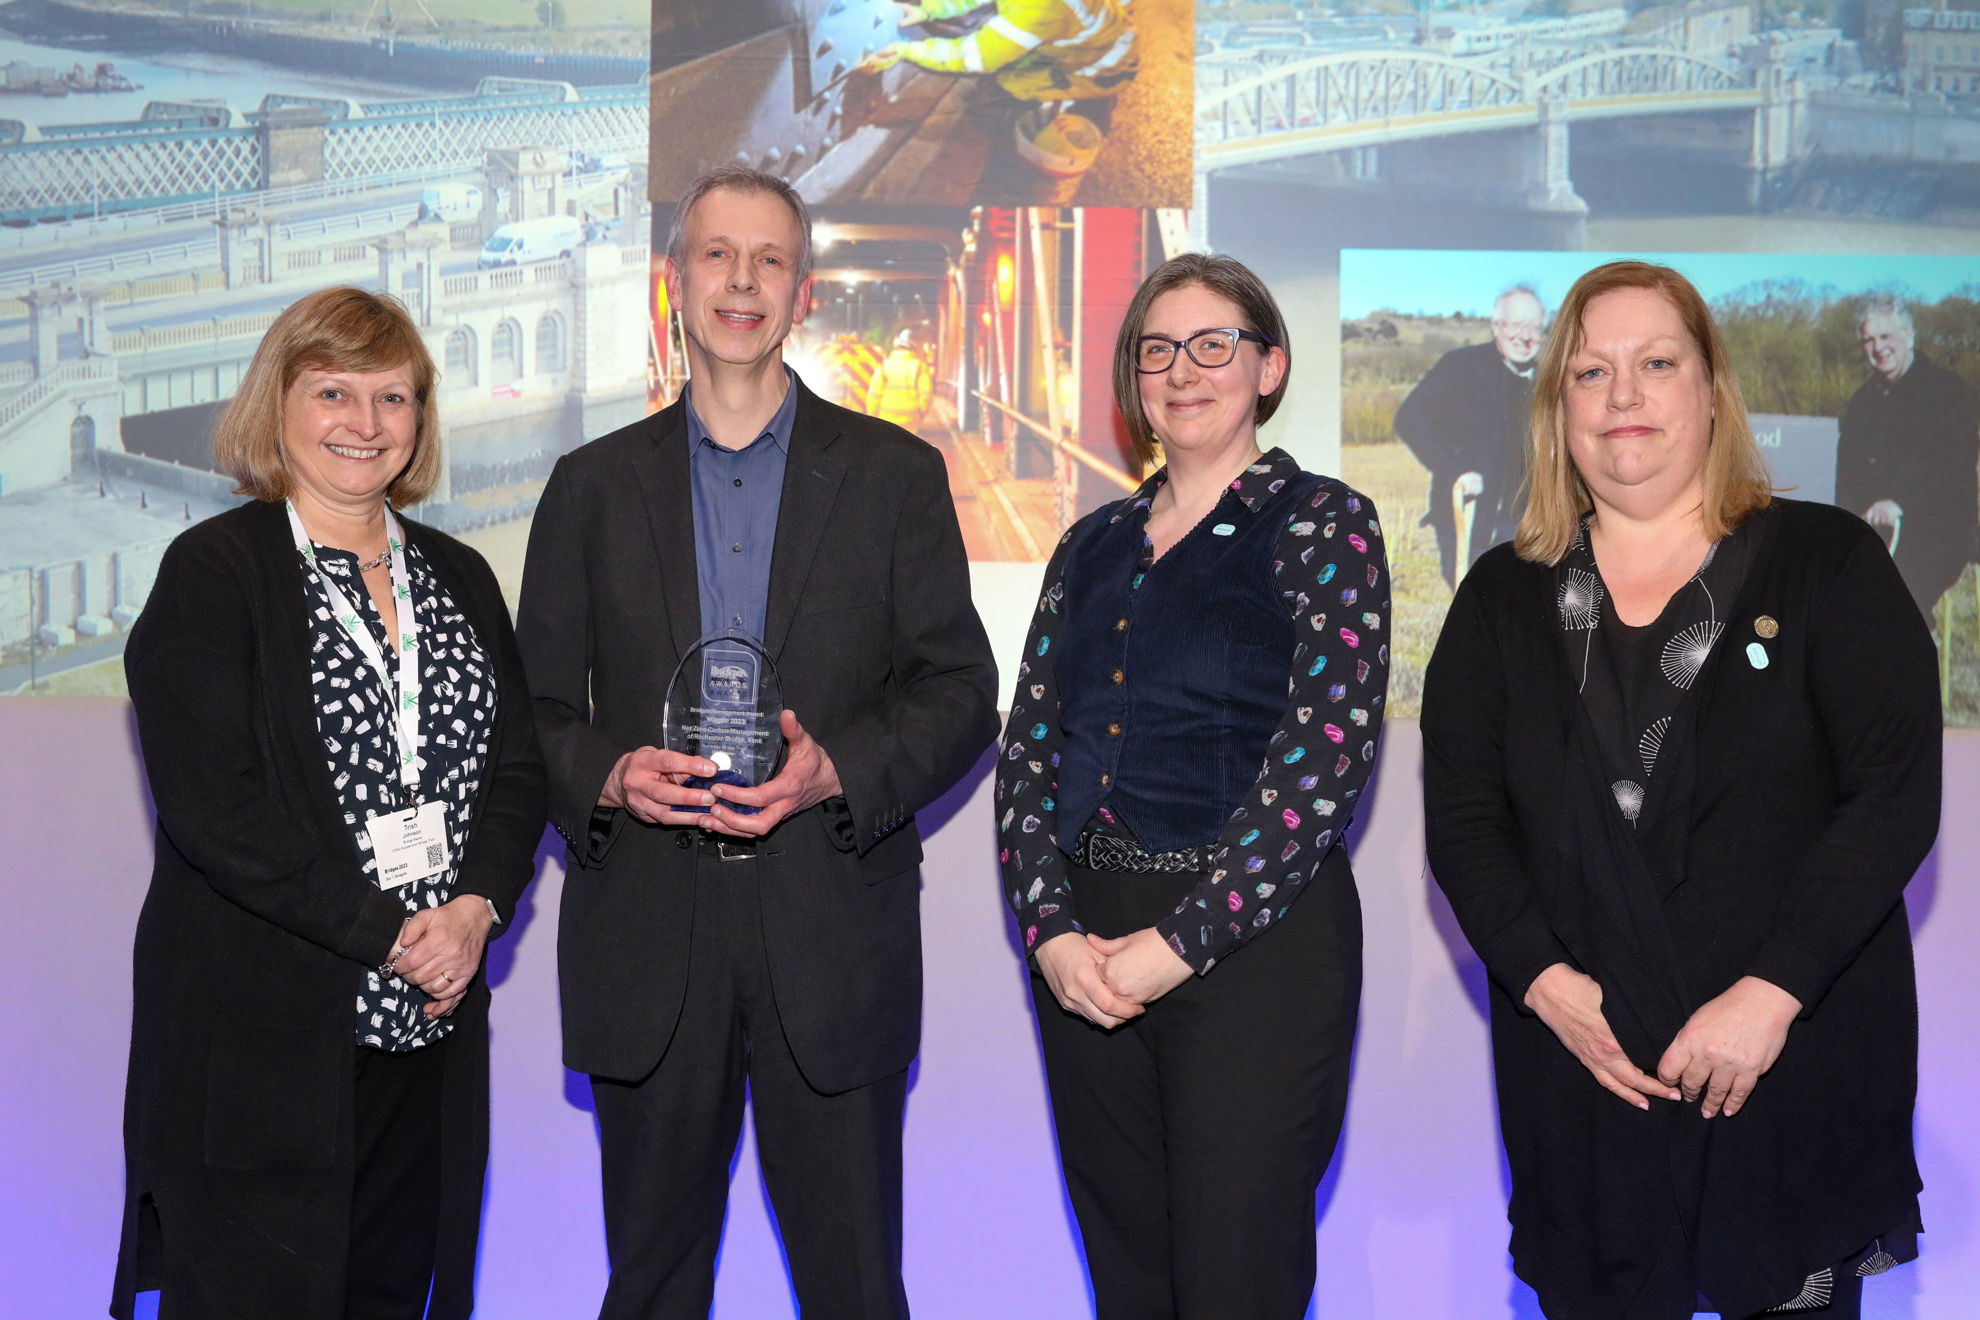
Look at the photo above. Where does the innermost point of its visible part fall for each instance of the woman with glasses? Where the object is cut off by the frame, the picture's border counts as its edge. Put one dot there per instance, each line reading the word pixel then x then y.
pixel 1195 718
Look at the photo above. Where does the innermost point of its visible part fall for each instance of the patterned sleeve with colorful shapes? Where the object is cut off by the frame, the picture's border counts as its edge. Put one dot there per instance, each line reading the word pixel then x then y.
pixel 1334 579
pixel 1027 770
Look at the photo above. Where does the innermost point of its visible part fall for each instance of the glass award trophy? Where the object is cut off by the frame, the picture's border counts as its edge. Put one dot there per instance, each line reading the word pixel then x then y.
pixel 724 704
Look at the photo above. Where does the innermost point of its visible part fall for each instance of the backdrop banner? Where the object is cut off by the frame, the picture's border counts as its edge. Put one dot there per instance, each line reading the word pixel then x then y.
pixel 991 181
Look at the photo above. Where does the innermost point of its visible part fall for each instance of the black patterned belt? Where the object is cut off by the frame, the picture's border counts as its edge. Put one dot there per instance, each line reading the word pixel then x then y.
pixel 1107 852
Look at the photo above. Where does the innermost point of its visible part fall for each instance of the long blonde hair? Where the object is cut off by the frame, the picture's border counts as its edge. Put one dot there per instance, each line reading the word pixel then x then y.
pixel 1736 479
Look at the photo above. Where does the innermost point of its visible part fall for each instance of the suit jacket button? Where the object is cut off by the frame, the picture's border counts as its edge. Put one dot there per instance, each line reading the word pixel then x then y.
pixel 684 840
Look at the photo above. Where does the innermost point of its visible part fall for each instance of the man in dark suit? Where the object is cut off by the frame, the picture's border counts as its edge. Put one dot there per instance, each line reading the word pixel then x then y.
pixel 1466 421
pixel 702 950
pixel 1906 453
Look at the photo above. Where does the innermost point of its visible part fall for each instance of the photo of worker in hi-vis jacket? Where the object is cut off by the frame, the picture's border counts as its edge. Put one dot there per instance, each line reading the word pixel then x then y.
pixel 1059 65
pixel 903 387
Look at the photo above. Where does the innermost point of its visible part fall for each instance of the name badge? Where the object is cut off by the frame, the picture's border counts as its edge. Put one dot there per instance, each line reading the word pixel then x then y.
pixel 410 844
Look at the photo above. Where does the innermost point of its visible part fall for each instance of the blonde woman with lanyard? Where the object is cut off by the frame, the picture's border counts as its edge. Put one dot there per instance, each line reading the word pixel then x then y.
pixel 349 798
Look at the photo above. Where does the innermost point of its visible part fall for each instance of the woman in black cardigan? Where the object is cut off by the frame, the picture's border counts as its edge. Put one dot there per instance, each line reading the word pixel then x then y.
pixel 1681 756
pixel 349 797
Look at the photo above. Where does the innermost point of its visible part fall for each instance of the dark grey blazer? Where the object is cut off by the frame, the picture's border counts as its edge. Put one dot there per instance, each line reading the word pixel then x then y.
pixel 883 659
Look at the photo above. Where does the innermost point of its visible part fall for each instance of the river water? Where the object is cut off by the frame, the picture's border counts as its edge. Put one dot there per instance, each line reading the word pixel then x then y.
pixel 185 76
pixel 1783 233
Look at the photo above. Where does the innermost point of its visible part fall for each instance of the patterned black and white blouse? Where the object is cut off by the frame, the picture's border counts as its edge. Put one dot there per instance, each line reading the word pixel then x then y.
pixel 360 745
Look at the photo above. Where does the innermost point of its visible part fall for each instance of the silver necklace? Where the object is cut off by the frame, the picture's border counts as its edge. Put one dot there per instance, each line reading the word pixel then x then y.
pixel 376 561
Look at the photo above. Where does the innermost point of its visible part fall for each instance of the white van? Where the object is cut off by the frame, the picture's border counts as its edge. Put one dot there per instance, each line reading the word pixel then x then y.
pixel 449 201
pixel 531 240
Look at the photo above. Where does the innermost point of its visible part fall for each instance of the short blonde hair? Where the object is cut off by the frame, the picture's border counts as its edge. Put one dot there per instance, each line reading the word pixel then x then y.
pixel 335 329
pixel 1736 479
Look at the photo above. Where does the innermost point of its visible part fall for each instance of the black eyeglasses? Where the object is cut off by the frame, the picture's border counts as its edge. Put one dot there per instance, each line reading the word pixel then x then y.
pixel 1154 354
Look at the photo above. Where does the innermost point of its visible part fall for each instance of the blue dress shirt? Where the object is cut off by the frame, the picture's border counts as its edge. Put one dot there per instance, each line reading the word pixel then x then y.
pixel 737 493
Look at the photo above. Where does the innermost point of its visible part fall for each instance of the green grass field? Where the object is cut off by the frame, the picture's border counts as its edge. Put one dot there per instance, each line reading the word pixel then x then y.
pixel 1398 485
pixel 1387 474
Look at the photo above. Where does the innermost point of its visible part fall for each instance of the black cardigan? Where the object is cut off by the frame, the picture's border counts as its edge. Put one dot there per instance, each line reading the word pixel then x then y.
pixel 1816 797
pixel 259 923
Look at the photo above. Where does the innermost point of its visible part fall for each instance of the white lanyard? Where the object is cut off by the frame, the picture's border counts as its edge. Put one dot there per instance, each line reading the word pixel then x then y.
pixel 408 712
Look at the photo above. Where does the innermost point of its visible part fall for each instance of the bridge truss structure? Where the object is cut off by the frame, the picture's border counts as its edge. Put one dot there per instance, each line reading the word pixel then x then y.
pixel 160 162
pixel 1361 98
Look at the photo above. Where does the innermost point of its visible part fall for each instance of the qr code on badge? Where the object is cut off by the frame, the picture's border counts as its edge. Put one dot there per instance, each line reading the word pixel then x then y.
pixel 435 854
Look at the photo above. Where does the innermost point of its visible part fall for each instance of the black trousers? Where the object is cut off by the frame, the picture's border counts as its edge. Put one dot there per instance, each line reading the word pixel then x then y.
pixel 831 1163
pixel 395 1205
pixel 1194 1137
pixel 394 1223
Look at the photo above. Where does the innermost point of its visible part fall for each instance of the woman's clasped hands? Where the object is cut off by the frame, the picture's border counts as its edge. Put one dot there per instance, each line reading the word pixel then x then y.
pixel 1109 981
pixel 1716 1059
pixel 439 950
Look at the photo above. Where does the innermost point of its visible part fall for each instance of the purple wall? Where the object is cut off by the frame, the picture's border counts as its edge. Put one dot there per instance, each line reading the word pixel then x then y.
pixel 1414 1224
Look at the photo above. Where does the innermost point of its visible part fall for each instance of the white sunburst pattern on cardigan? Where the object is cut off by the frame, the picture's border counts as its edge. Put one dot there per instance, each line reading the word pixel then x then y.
pixel 1878 1261
pixel 1819 1288
pixel 1686 652
pixel 1651 743
pixel 1581 600
pixel 1816 1292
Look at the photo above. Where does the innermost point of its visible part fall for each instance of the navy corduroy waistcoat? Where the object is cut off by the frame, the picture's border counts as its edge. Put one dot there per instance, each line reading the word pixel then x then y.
pixel 1170 690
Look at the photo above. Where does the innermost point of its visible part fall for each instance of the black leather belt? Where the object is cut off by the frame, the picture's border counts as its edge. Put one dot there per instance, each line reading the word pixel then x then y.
pixel 726 849
pixel 1108 852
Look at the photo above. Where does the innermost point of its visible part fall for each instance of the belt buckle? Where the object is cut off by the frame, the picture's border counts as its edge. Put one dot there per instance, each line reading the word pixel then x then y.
pixel 735 852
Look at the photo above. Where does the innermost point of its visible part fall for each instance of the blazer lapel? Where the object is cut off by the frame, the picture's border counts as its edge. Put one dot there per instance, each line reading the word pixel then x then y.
pixel 811 483
pixel 662 469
